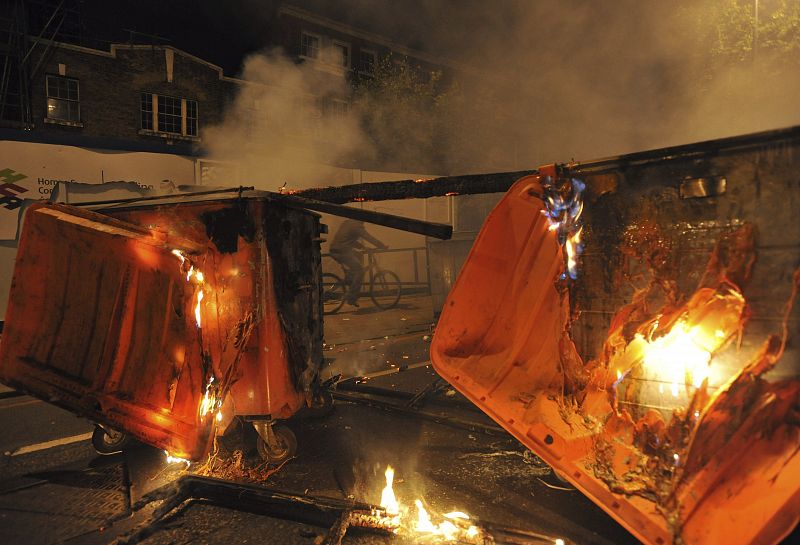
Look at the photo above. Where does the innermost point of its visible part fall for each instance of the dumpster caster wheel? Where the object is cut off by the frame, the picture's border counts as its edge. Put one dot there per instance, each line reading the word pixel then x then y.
pixel 109 441
pixel 279 445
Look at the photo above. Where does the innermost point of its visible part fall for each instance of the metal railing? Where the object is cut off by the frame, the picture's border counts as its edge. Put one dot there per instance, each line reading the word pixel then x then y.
pixel 415 263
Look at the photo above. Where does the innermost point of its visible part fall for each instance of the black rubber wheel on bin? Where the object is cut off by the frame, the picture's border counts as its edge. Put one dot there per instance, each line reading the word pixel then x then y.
pixel 332 293
pixel 109 441
pixel 285 449
pixel 385 290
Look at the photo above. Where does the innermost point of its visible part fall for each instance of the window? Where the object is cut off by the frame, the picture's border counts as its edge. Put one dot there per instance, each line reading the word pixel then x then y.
pixel 168 115
pixel 63 99
pixel 338 109
pixel 367 61
pixel 147 111
pixel 341 54
pixel 309 45
pixel 191 117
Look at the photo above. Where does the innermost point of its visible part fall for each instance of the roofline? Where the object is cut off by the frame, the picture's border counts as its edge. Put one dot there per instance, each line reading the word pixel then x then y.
pixel 114 47
pixel 375 38
pixel 112 54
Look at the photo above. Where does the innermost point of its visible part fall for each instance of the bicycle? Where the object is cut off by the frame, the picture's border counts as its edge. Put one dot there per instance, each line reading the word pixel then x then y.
pixel 384 287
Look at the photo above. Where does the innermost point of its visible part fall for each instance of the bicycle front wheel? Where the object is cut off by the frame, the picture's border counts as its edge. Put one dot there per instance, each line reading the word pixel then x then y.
pixel 385 289
pixel 332 293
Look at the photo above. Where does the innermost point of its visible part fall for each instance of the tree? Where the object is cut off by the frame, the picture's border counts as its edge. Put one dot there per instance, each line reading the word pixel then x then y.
pixel 402 110
pixel 736 33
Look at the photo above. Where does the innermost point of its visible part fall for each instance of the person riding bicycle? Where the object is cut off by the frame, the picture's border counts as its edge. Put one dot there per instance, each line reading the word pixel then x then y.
pixel 346 248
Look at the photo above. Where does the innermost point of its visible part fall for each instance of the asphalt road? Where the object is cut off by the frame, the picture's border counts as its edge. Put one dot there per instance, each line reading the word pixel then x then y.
pixel 29 425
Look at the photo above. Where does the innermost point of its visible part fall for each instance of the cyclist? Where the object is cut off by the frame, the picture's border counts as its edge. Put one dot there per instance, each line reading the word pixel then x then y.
pixel 346 248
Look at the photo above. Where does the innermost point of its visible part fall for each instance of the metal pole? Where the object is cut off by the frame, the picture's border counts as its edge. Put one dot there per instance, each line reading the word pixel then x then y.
pixel 755 33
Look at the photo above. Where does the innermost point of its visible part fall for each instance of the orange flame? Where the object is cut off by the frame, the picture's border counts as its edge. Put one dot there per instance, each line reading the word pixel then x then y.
pixel 388 499
pixel 176 459
pixel 455 527
pixel 197 317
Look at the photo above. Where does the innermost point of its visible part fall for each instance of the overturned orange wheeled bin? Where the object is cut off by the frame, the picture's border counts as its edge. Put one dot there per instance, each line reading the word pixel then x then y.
pixel 658 380
pixel 169 320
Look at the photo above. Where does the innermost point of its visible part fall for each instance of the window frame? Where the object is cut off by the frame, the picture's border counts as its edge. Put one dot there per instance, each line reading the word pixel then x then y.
pixel 189 125
pixel 349 48
pixel 374 55
pixel 335 109
pixel 69 102
pixel 316 36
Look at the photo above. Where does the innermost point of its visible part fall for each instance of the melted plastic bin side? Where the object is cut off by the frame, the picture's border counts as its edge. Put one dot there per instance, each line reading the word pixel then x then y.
pixel 501 341
pixel 102 316
pixel 261 270
pixel 100 322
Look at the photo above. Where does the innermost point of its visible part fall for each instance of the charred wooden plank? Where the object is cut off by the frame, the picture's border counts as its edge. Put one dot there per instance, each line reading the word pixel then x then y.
pixel 470 184
pixel 427 228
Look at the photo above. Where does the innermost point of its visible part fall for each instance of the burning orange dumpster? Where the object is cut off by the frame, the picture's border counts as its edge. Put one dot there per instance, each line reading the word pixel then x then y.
pixel 673 425
pixel 168 321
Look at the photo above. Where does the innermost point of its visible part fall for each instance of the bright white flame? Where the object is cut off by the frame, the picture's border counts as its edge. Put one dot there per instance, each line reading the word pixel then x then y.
pixel 197 318
pixel 180 256
pixel 176 460
pixel 219 416
pixel 209 401
pixel 424 522
pixel 388 499
pixel 559 541
pixel 446 530
pixel 456 515
pixel 449 531
pixel 678 357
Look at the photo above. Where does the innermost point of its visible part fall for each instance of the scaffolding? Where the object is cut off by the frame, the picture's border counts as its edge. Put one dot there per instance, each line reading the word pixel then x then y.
pixel 28 29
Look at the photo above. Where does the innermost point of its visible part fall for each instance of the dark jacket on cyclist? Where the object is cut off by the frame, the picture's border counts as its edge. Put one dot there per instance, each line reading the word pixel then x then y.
pixel 346 248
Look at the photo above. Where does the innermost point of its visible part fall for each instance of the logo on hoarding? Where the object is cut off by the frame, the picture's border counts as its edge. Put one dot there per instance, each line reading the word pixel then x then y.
pixel 9 190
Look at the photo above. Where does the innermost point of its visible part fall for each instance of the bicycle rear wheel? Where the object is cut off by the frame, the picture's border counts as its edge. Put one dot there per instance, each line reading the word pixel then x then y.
pixel 385 289
pixel 333 290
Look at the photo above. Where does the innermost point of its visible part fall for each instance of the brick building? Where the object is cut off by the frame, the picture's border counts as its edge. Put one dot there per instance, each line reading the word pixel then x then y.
pixel 161 98
pixel 155 95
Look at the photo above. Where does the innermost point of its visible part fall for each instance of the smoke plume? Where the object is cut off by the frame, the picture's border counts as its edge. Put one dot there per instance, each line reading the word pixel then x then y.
pixel 542 81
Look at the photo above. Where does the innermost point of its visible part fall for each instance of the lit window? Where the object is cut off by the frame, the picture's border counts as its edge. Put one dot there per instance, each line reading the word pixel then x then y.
pixel 168 115
pixel 367 61
pixel 342 54
pixel 309 45
pixel 63 99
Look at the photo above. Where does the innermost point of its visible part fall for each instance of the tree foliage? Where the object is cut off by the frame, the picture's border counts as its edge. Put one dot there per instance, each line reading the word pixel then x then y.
pixel 731 33
pixel 401 108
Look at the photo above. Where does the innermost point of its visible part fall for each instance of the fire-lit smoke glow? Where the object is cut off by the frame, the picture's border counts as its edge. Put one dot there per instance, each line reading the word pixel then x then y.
pixel 281 128
pixel 563 210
